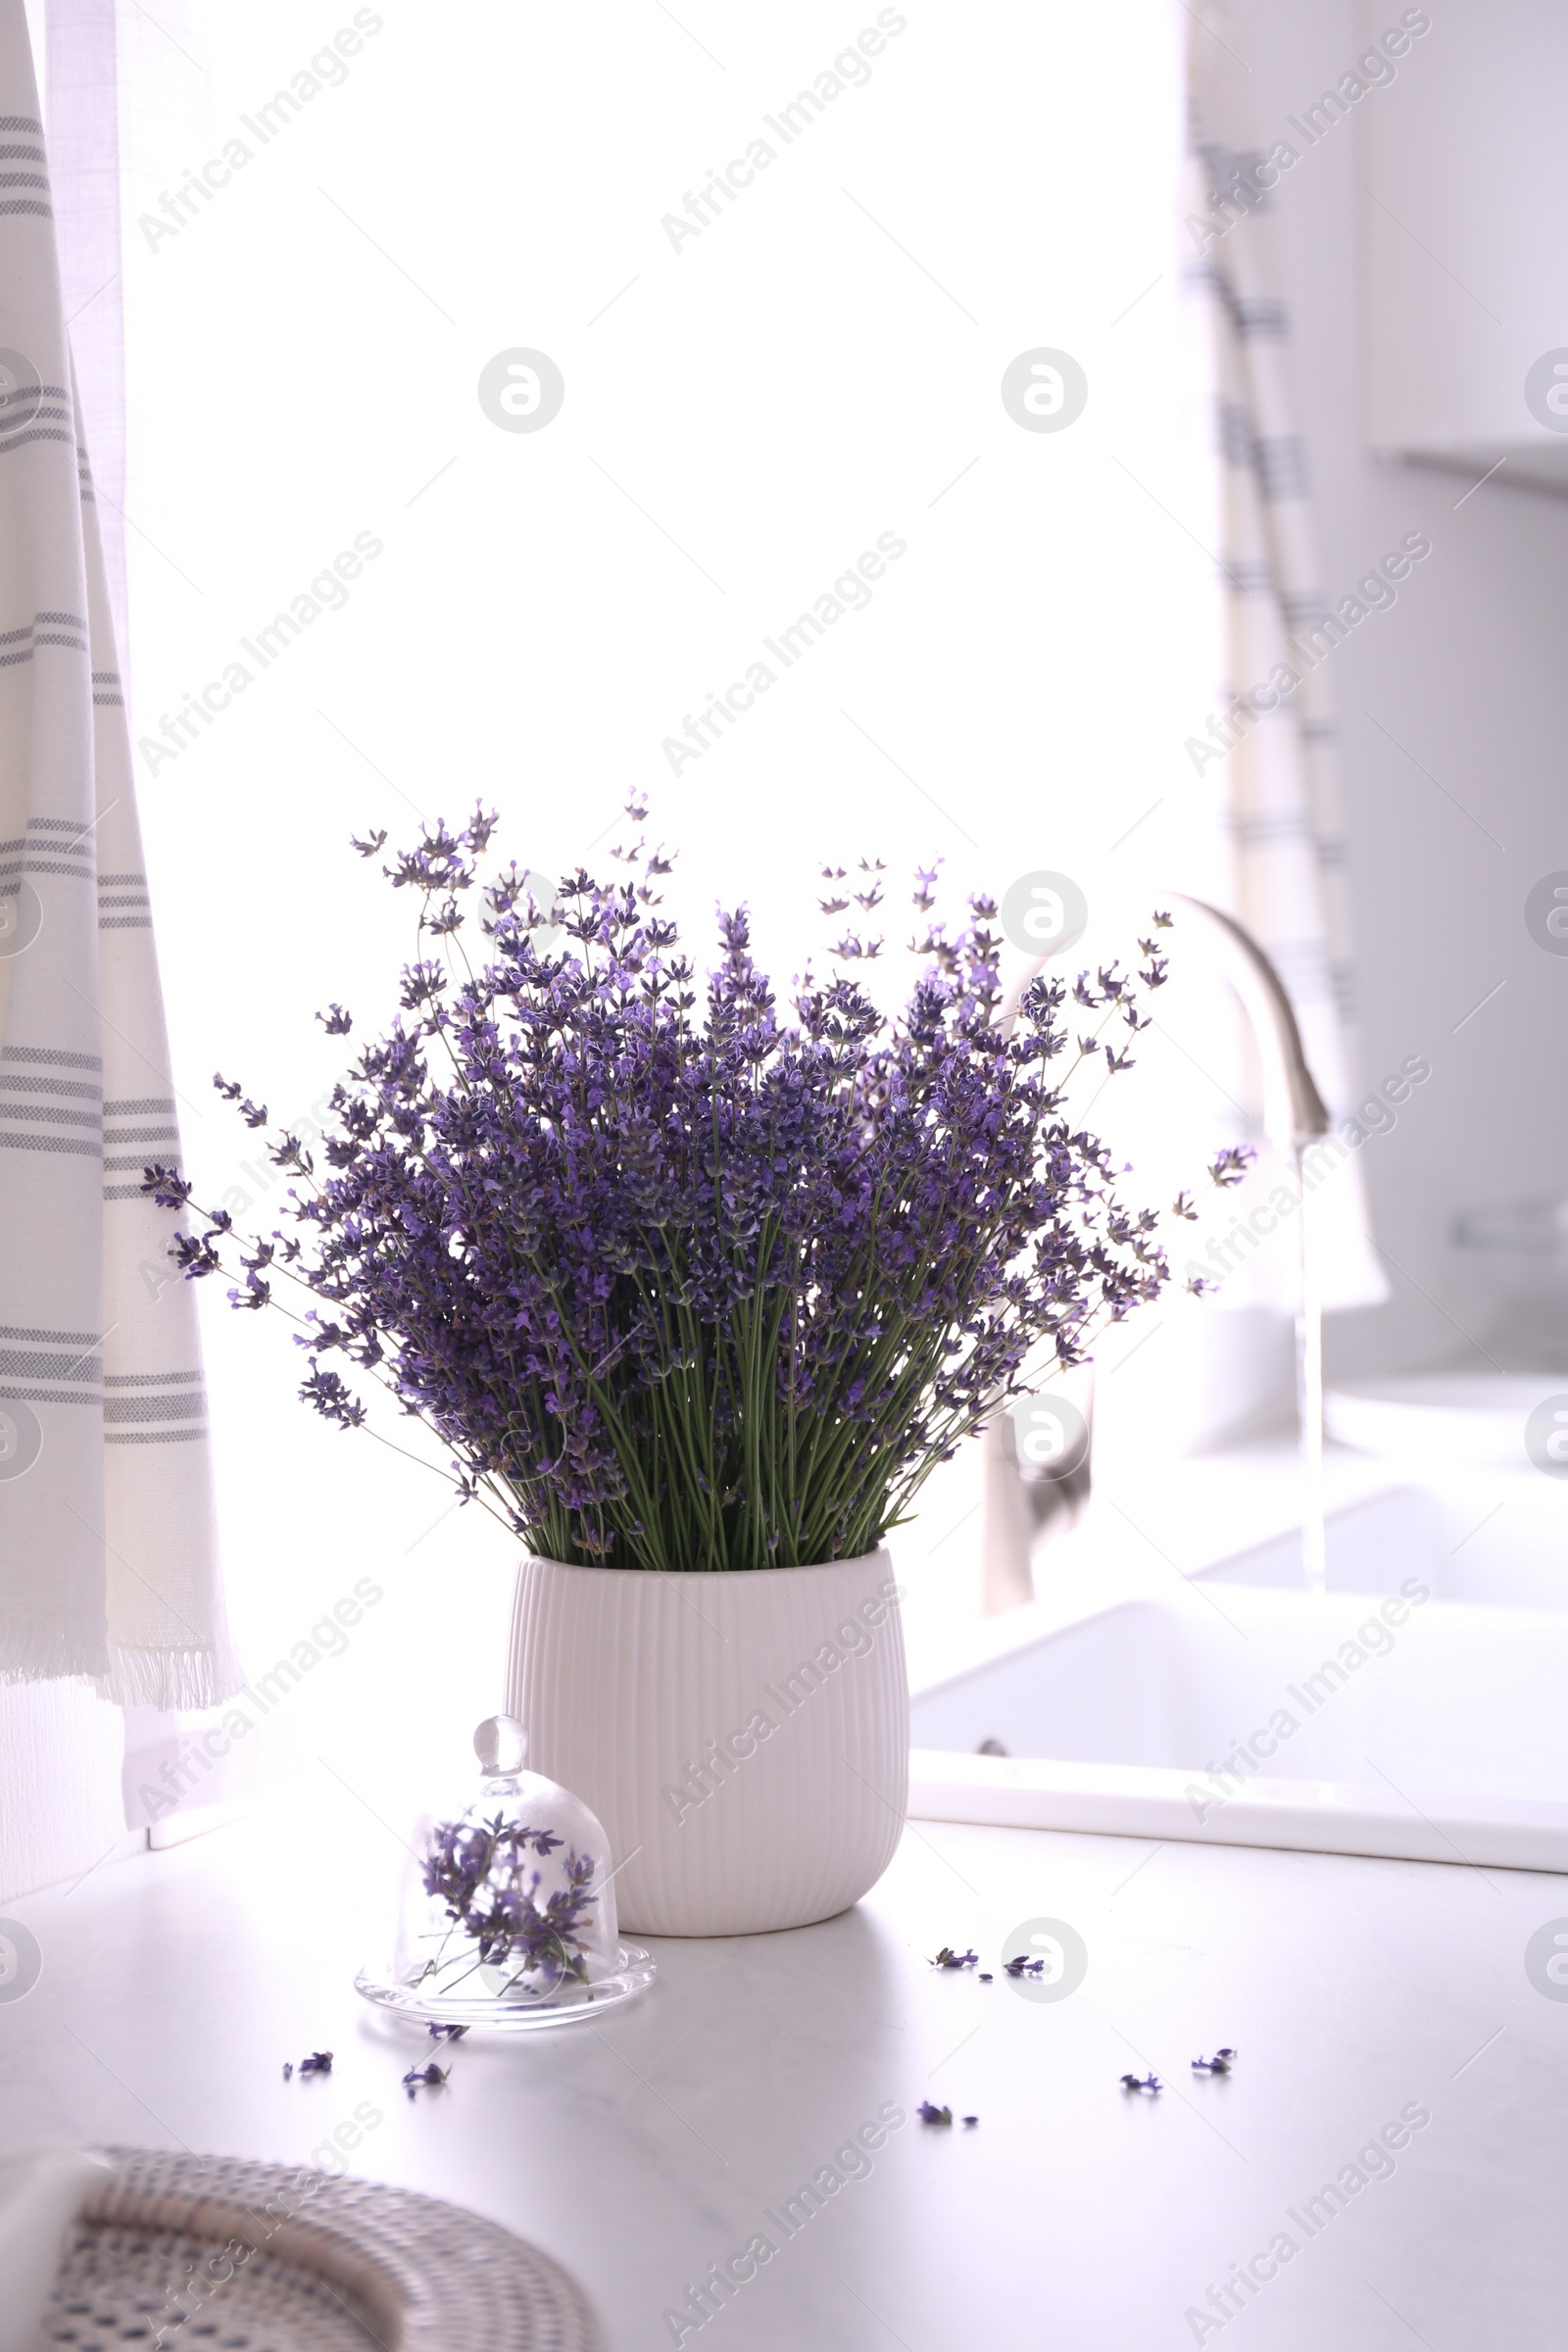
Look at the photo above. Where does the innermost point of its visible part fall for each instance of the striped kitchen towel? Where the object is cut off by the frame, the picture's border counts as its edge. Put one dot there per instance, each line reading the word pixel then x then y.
pixel 1270 737
pixel 108 1550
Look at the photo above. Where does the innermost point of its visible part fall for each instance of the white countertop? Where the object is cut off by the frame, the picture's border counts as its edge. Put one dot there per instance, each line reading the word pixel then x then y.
pixel 644 2149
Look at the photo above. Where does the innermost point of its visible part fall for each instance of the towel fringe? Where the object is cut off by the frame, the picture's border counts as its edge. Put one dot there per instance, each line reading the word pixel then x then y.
pixel 176 1682
pixel 51 1649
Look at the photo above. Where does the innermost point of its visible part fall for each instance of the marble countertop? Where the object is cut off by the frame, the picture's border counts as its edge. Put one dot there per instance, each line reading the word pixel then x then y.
pixel 1393 2053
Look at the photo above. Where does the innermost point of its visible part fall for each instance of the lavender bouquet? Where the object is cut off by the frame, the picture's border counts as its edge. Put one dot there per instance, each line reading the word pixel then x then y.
pixel 682 1280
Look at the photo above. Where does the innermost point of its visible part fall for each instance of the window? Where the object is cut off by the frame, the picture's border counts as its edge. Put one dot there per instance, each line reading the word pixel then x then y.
pixel 783 557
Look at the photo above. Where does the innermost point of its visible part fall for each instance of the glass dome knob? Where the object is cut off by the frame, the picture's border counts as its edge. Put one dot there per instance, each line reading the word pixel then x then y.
pixel 501 1744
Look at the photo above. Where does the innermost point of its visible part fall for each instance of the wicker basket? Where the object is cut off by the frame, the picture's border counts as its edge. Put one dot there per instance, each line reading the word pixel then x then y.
pixel 212 2252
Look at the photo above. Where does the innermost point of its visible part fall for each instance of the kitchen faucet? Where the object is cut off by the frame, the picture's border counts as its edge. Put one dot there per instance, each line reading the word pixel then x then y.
pixel 1020 1501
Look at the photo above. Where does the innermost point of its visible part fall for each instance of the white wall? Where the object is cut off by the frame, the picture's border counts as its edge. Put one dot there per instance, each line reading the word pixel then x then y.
pixel 1467 674
pixel 59 1800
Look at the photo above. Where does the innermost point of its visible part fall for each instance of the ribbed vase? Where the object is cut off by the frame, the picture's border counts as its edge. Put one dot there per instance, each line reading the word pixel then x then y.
pixel 743 1736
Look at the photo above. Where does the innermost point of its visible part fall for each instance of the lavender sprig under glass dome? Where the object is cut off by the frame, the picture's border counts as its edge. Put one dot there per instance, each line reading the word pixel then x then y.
pixel 683 1280
pixel 481 1873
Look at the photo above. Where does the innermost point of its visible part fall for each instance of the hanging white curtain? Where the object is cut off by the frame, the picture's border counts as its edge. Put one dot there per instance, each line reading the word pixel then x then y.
pixel 1270 740
pixel 108 1556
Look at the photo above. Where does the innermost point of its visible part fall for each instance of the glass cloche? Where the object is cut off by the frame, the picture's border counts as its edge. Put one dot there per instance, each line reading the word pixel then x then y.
pixel 508 1911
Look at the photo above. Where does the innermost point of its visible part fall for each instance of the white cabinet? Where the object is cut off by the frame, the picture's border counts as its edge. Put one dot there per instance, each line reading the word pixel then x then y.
pixel 1464 237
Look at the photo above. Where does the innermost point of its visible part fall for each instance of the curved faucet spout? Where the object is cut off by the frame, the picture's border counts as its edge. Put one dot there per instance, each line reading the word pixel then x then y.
pixel 1293 1114
pixel 1294 1111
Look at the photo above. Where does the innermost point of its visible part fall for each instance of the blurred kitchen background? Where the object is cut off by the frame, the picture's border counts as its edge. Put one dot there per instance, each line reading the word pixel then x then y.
pixel 745 410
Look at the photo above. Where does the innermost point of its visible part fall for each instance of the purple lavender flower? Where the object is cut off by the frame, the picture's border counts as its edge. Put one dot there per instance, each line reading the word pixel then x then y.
pixel 425 2078
pixel 165 1185
pixel 682 1277
pixel 194 1253
pixel 481 1872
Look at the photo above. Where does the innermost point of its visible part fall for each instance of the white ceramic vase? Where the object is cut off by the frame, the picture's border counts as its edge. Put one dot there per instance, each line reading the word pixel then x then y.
pixel 743 1736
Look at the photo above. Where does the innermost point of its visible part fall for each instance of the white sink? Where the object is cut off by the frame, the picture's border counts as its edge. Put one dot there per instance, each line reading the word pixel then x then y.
pixel 1496 1537
pixel 1398 1725
pixel 1442 1418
